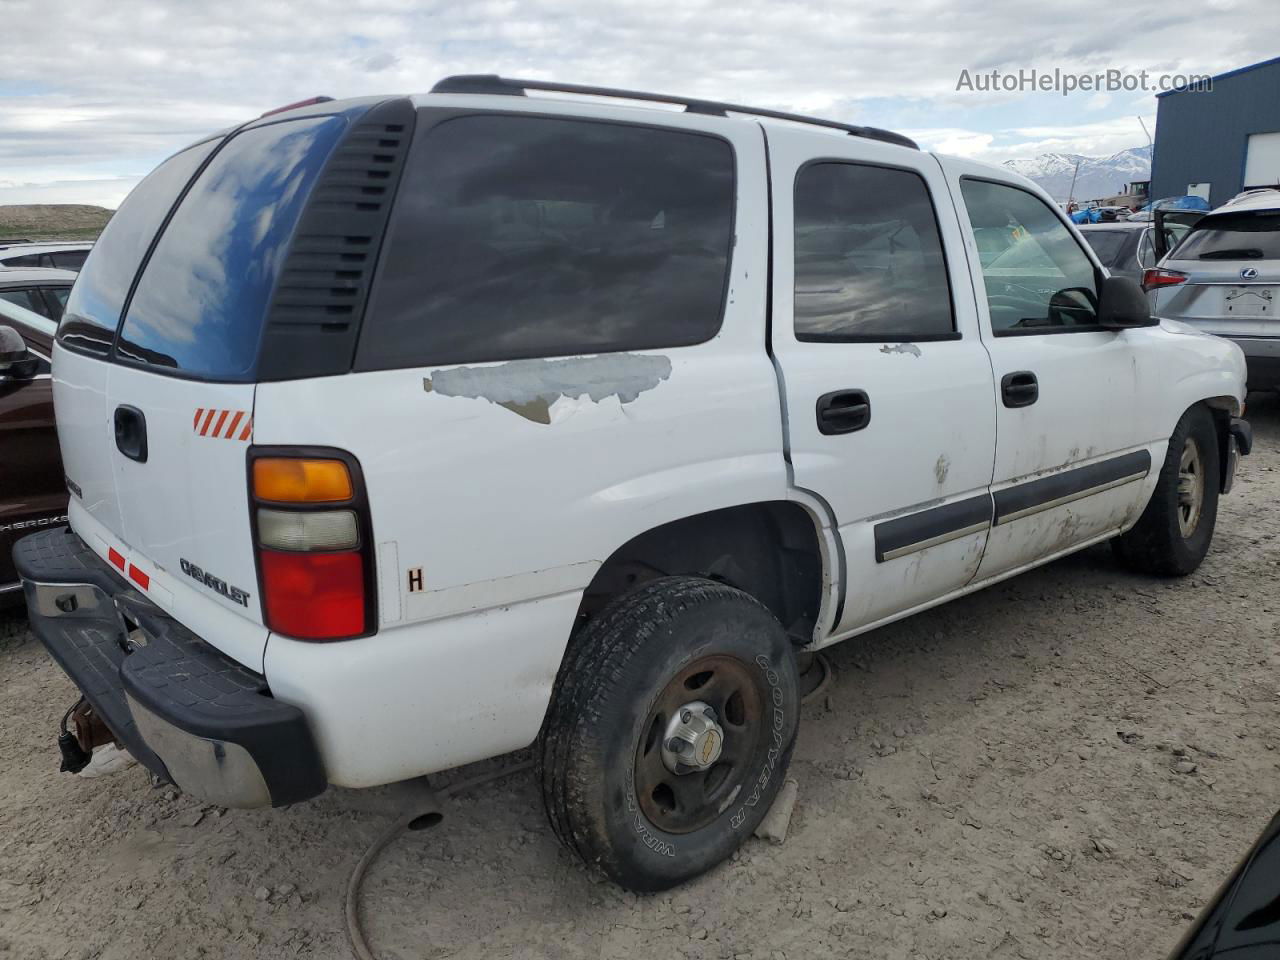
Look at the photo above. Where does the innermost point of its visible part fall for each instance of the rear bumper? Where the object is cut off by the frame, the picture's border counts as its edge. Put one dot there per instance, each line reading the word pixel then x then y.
pixel 185 710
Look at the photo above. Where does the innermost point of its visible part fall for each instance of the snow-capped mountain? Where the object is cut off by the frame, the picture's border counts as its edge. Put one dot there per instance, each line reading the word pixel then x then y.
pixel 1098 177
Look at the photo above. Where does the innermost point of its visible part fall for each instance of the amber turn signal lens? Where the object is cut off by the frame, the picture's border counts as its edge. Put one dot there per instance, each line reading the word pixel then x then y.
pixel 296 480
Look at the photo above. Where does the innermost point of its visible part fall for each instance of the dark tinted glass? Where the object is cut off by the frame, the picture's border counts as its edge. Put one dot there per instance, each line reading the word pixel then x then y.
pixel 27 260
pixel 1038 278
pixel 1109 245
pixel 93 311
pixel 200 304
pixel 868 258
pixel 29 299
pixel 530 237
pixel 1233 236
pixel 69 259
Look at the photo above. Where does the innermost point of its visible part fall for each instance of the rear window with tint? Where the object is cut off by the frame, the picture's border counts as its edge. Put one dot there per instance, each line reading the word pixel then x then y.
pixel 26 260
pixel 520 237
pixel 69 259
pixel 93 311
pixel 1233 236
pixel 201 302
pixel 1109 245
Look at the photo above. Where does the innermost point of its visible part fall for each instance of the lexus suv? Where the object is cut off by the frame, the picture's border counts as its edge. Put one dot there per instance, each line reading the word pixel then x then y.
pixel 405 432
pixel 1224 278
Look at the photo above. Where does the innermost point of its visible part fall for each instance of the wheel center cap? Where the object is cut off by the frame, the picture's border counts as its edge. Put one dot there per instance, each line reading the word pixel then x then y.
pixel 693 740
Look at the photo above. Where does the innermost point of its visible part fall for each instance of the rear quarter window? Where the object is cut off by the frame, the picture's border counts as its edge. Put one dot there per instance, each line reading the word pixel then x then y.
pixel 200 304
pixel 93 309
pixel 518 237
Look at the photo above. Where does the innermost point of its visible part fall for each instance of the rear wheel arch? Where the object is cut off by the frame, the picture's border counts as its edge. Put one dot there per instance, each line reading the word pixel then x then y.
pixel 772 550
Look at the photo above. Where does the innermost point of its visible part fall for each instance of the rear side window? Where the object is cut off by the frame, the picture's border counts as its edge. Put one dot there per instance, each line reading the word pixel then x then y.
pixel 69 259
pixel 1233 236
pixel 200 304
pixel 27 299
pixel 27 260
pixel 520 237
pixel 93 311
pixel 868 257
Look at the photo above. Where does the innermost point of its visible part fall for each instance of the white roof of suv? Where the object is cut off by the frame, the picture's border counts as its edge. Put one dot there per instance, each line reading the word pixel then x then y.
pixel 11 251
pixel 1263 198
pixel 12 275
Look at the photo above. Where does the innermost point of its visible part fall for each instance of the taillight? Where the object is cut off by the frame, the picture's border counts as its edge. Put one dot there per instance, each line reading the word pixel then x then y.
pixel 1155 278
pixel 314 543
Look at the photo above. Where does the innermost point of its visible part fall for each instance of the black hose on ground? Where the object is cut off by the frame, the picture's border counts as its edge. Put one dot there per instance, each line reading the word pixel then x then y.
pixel 430 814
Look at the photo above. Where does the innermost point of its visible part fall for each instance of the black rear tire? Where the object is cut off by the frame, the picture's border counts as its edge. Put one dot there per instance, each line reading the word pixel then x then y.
pixel 1158 544
pixel 647 646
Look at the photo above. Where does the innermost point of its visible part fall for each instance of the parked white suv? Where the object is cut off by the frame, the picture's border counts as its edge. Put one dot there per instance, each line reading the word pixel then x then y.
pixel 404 433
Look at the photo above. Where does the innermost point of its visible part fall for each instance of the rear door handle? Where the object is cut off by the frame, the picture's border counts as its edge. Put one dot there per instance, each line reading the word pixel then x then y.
pixel 1019 389
pixel 131 433
pixel 843 411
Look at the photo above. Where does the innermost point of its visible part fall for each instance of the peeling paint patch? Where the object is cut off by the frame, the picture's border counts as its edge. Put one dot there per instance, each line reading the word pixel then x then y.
pixel 530 387
pixel 907 348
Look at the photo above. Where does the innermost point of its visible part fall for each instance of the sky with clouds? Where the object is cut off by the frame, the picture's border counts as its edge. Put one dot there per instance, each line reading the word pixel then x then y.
pixel 94 93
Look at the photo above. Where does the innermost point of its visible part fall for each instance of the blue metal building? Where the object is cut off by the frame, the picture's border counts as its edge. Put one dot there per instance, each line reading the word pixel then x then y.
pixel 1218 142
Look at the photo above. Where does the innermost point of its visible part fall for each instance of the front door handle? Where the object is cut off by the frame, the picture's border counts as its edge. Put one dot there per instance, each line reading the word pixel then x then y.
pixel 131 433
pixel 843 411
pixel 1020 389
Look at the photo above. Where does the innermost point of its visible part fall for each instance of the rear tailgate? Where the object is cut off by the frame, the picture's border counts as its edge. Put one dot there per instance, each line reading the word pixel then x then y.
pixel 1231 260
pixel 157 443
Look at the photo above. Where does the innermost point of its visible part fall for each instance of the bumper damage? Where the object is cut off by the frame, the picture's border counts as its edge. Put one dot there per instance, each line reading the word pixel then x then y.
pixel 185 710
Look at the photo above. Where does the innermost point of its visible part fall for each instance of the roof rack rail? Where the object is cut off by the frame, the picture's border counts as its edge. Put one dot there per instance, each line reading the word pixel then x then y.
pixel 492 84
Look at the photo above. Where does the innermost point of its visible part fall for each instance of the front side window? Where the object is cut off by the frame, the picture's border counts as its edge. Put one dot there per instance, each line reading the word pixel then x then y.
pixel 1037 277
pixel 868 256
pixel 517 237
pixel 28 299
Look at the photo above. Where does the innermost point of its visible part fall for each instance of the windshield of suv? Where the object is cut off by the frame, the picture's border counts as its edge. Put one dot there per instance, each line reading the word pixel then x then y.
pixel 1233 236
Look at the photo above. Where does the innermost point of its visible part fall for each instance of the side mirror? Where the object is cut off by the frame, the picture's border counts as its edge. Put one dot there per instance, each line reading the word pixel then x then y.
pixel 16 361
pixel 1122 304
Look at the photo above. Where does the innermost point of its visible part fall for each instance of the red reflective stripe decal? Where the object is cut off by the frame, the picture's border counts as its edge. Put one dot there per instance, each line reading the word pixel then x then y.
pixel 210 422
pixel 138 577
pixel 115 557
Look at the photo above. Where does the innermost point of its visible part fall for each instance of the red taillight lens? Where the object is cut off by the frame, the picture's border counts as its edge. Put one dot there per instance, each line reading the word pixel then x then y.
pixel 314 541
pixel 313 596
pixel 1155 278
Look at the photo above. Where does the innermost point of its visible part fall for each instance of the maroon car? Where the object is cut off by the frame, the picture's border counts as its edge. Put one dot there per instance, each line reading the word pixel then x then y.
pixel 32 491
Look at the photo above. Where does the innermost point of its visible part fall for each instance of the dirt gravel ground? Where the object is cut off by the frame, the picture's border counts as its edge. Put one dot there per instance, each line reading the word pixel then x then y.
pixel 1065 765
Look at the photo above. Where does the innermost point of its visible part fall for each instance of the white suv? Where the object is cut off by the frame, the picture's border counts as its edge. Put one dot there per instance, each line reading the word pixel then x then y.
pixel 404 433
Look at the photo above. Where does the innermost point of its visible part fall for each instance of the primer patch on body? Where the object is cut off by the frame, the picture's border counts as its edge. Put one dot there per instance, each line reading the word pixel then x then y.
pixel 530 387
pixel 909 348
